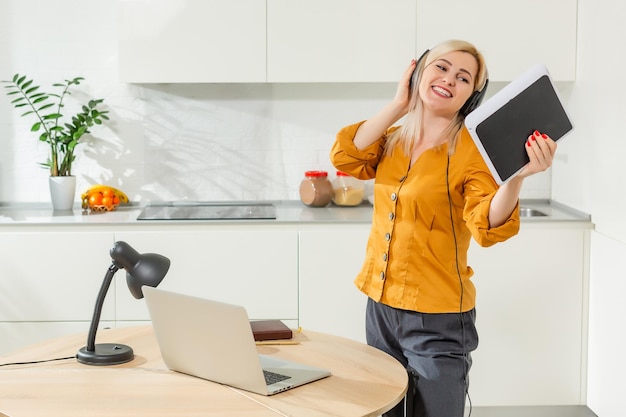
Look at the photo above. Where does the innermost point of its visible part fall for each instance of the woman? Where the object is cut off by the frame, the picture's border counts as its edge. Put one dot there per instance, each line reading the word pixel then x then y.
pixel 432 193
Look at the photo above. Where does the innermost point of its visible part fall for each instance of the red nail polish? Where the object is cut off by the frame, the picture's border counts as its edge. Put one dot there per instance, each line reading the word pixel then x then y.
pixel 543 135
pixel 528 143
pixel 533 138
pixel 536 133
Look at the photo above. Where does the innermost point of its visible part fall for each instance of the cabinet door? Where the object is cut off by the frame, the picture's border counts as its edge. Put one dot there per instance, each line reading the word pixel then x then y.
pixel 164 41
pixel 53 276
pixel 254 267
pixel 339 41
pixel 513 36
pixel 330 259
pixel 531 295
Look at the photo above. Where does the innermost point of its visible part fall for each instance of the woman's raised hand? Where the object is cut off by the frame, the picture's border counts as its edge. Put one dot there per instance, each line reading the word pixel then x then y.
pixel 403 91
pixel 540 149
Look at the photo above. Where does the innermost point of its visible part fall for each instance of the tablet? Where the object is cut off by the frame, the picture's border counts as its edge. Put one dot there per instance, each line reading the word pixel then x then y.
pixel 502 124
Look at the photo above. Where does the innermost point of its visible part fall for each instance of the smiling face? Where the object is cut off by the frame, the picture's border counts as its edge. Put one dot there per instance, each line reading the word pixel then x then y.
pixel 448 82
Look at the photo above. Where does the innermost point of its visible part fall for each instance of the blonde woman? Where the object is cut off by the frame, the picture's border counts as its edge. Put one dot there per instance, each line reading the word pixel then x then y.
pixel 432 194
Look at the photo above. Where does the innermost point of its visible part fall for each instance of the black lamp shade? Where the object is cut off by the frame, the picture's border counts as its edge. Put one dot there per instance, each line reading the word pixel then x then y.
pixel 147 269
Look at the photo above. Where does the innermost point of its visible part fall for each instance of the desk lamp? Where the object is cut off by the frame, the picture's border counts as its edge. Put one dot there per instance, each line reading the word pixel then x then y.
pixel 145 269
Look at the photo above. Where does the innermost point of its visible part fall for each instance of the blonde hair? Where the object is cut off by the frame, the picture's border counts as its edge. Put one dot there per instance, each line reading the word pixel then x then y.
pixel 411 130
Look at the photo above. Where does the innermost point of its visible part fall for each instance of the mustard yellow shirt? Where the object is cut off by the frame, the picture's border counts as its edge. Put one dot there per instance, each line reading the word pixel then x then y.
pixel 412 250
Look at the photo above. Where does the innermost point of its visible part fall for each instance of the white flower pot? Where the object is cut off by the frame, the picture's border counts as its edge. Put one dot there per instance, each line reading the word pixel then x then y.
pixel 62 192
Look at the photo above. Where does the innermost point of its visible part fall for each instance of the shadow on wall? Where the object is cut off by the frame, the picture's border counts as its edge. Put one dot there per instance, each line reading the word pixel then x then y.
pixel 197 149
pixel 241 141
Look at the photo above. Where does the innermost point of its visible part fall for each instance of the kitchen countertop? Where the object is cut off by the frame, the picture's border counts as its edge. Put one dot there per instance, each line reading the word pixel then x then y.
pixel 286 212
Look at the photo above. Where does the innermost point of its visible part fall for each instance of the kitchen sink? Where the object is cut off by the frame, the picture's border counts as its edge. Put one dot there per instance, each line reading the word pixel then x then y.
pixel 209 211
pixel 531 212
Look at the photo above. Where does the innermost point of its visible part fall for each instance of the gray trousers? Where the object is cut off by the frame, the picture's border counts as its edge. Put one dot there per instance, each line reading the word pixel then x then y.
pixel 434 348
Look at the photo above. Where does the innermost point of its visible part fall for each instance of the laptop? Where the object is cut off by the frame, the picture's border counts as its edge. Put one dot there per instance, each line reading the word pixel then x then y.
pixel 502 124
pixel 214 341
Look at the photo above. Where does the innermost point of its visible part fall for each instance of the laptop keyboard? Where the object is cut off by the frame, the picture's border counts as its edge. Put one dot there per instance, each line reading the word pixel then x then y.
pixel 272 377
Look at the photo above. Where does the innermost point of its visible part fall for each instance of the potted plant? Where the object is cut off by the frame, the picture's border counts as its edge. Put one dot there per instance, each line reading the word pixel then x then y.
pixel 62 136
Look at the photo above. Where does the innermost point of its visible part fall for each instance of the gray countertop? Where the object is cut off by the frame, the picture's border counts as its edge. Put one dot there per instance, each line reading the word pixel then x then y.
pixel 286 212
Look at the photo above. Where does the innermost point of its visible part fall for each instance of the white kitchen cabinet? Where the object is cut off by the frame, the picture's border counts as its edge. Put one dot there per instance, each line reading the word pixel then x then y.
pixel 513 36
pixel 49 284
pixel 339 41
pixel 531 301
pixel 252 266
pixel 53 275
pixel 192 41
pixel 277 41
pixel 531 318
pixel 330 257
pixel 531 305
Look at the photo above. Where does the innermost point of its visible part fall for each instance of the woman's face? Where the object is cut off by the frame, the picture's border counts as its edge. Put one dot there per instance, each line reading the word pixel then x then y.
pixel 448 82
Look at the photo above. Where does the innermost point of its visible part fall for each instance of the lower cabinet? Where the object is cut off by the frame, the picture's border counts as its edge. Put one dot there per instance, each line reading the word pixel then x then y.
pixel 531 302
pixel 532 295
pixel 330 257
pixel 49 283
pixel 531 307
pixel 255 266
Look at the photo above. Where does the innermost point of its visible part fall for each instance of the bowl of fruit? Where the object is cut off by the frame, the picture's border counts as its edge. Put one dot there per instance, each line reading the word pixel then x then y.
pixel 102 198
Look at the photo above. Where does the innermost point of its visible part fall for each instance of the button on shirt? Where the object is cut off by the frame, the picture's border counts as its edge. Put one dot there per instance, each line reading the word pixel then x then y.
pixel 418 233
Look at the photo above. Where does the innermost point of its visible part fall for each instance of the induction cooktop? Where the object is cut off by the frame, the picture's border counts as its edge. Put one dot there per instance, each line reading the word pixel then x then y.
pixel 209 212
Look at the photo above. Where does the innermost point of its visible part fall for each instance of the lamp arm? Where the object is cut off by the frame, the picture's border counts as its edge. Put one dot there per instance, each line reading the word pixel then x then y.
pixel 91 337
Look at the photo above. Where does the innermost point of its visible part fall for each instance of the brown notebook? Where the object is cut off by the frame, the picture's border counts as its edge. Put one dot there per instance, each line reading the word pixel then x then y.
pixel 270 330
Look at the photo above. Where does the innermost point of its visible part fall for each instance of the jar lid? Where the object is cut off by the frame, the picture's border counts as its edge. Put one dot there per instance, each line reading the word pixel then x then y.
pixel 342 174
pixel 316 173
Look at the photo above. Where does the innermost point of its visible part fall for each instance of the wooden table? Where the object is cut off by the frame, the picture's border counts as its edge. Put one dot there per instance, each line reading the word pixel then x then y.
pixel 364 382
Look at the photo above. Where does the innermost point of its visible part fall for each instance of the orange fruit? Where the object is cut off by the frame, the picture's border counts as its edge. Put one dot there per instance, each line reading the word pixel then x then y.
pixel 95 199
pixel 107 192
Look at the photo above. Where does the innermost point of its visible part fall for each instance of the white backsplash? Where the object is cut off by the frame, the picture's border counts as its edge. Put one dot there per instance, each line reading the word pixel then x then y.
pixel 206 141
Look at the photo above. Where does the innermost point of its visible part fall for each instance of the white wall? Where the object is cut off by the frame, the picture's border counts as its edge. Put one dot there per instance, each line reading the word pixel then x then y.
pixel 170 142
pixel 590 174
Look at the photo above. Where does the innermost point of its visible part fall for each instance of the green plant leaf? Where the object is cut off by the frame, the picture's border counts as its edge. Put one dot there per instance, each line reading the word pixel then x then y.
pixel 47 106
pixel 30 90
pixel 35 127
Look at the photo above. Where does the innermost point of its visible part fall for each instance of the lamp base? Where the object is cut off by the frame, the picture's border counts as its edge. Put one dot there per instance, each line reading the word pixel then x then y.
pixel 106 354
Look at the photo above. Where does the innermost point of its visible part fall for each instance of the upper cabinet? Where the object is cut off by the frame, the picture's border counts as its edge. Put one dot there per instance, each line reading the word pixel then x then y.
pixel 339 41
pixel 279 41
pixel 191 41
pixel 513 36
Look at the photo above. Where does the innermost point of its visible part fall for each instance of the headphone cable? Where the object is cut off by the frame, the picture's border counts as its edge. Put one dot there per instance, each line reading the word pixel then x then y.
pixel 458 271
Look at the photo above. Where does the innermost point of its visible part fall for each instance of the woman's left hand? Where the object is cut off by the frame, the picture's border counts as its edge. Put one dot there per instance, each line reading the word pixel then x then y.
pixel 540 149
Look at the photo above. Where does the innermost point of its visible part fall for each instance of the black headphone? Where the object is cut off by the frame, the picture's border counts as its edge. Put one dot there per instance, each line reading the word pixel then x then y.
pixel 472 102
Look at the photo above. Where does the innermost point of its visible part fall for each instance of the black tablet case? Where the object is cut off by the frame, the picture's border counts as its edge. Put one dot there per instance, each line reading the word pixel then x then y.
pixel 503 134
